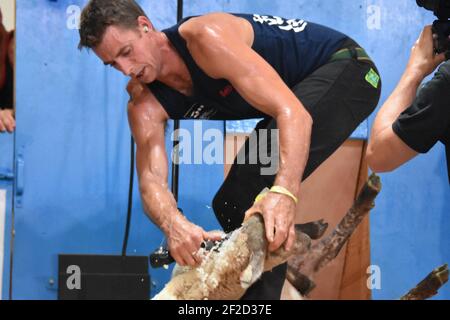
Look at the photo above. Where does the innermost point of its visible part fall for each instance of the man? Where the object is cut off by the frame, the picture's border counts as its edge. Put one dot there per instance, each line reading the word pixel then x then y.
pixel 7 121
pixel 312 83
pixel 412 122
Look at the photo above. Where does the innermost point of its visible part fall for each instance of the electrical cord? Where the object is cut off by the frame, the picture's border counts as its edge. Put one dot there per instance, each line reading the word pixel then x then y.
pixel 130 201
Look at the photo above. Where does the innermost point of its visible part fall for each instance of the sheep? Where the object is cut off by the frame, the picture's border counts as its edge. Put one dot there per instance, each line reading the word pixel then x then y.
pixel 227 272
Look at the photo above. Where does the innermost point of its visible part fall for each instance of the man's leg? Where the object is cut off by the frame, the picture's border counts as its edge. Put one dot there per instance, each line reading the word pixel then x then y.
pixel 338 98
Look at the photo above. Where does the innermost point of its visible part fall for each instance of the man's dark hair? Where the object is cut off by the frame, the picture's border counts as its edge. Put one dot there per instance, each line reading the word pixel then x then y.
pixel 100 14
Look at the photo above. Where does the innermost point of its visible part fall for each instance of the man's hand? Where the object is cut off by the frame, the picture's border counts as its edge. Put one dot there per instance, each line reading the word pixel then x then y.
pixel 278 211
pixel 185 239
pixel 423 61
pixel 7 121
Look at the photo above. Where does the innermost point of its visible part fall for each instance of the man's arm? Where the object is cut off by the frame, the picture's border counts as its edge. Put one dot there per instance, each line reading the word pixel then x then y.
pixel 7 121
pixel 386 151
pixel 222 48
pixel 147 121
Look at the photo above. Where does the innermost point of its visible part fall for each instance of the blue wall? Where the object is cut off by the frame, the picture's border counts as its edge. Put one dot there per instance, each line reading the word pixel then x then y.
pixel 74 139
pixel 6 170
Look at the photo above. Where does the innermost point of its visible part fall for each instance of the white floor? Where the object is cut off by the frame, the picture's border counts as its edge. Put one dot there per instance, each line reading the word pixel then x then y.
pixel 2 234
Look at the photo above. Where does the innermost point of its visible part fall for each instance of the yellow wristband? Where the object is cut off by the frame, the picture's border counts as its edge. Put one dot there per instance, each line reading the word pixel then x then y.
pixel 282 190
pixel 261 195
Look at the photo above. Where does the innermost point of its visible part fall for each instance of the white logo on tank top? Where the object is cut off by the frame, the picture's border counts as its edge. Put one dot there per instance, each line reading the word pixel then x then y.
pixel 297 25
pixel 199 111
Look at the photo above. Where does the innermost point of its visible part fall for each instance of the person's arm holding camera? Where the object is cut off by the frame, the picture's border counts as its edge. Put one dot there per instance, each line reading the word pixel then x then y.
pixel 387 150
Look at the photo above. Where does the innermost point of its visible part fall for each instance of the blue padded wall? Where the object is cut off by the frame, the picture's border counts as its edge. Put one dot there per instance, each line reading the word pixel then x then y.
pixel 6 171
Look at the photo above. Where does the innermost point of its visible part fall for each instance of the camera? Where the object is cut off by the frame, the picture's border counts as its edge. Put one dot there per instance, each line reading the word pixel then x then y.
pixel 441 27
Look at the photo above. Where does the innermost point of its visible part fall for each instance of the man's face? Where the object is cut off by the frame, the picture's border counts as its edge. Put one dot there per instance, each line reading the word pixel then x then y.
pixel 132 52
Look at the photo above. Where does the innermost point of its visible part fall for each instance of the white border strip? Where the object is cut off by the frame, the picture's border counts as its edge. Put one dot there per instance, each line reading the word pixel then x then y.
pixel 2 234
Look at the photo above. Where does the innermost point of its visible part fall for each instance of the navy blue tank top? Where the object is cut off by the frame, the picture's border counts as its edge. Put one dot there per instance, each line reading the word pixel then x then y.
pixel 293 47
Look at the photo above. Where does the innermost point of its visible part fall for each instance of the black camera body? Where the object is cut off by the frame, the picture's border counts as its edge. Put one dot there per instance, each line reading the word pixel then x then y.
pixel 441 27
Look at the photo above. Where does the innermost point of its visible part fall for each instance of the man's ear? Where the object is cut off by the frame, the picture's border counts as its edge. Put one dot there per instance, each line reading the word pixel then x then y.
pixel 145 22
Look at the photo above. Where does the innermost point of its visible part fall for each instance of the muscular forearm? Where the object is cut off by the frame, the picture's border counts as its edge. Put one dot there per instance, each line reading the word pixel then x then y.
pixel 399 101
pixel 159 204
pixel 295 135
pixel 386 151
pixel 278 210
